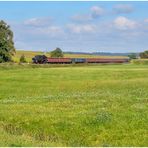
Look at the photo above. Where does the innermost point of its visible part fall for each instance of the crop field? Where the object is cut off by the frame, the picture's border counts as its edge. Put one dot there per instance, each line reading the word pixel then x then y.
pixel 30 54
pixel 104 105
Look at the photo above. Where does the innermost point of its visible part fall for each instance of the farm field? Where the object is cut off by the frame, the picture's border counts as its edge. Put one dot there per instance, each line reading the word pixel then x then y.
pixel 104 105
pixel 30 54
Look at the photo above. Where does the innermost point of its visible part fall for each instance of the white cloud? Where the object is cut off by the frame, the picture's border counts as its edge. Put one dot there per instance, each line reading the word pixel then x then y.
pixel 51 30
pixel 118 34
pixel 96 11
pixel 146 20
pixel 81 28
pixel 124 23
pixel 38 21
pixel 123 8
pixel 82 17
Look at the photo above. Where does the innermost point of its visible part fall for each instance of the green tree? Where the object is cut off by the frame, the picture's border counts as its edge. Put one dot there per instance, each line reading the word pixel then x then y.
pixel 132 56
pixel 23 59
pixel 144 55
pixel 57 53
pixel 7 49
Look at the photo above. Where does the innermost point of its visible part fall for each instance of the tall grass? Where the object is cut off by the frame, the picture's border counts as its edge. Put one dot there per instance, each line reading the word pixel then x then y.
pixel 74 106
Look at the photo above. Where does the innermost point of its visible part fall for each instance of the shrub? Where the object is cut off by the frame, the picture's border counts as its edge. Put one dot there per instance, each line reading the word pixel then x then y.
pixel 140 61
pixel 23 59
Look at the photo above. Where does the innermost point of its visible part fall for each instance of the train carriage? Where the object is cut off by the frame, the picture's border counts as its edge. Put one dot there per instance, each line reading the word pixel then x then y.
pixel 78 60
pixel 59 60
pixel 41 59
pixel 101 60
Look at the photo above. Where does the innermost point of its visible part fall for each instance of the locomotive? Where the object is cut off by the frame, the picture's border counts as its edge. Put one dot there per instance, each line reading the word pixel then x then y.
pixel 39 59
pixel 42 59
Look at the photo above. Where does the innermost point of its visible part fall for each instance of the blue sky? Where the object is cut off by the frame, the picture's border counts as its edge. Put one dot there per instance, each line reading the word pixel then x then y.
pixel 78 26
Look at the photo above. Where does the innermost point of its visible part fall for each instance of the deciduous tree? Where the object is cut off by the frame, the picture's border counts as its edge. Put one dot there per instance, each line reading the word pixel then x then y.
pixel 7 49
pixel 57 53
pixel 144 55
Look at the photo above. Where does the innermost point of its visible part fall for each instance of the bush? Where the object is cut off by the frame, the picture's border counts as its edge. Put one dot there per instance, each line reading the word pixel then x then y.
pixel 140 61
pixel 23 59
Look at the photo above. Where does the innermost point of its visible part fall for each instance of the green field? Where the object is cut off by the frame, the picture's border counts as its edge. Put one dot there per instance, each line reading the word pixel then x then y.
pixel 30 54
pixel 104 105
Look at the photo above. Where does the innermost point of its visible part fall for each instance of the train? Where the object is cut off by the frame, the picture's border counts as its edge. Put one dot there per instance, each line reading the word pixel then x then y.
pixel 42 59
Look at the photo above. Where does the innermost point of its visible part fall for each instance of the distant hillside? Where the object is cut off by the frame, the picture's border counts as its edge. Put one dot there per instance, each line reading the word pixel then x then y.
pixel 102 53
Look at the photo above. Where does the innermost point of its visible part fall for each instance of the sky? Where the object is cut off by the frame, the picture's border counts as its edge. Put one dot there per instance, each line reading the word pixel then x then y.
pixel 78 26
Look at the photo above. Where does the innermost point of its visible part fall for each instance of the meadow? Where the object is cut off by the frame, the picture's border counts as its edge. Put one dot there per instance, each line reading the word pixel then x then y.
pixel 104 105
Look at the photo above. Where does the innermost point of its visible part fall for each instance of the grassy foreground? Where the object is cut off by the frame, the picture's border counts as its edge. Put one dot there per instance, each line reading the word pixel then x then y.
pixel 74 106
